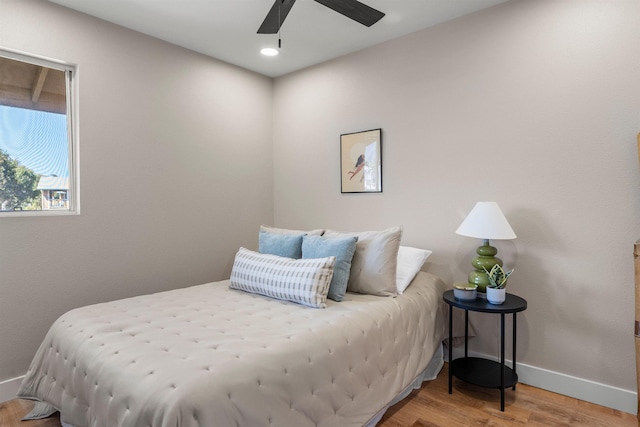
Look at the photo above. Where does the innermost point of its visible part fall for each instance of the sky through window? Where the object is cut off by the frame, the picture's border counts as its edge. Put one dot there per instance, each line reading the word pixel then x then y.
pixel 36 139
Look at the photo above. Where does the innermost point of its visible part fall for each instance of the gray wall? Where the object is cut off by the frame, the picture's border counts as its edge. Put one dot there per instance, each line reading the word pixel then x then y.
pixel 533 104
pixel 175 169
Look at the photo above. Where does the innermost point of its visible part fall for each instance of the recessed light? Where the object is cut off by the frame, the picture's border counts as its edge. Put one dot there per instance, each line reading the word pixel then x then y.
pixel 269 51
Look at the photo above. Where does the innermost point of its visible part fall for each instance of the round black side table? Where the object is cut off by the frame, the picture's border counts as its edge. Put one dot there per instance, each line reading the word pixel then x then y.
pixel 479 371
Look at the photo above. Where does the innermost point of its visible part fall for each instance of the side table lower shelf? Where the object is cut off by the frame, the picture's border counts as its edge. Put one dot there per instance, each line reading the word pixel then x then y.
pixel 482 372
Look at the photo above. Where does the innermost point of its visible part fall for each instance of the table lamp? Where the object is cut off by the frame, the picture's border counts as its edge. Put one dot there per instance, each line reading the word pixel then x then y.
pixel 485 221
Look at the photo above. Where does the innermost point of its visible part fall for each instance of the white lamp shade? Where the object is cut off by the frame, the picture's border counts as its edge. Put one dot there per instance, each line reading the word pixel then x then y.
pixel 486 221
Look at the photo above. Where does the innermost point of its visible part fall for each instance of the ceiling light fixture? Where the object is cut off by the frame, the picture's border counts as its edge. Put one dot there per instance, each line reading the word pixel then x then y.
pixel 269 51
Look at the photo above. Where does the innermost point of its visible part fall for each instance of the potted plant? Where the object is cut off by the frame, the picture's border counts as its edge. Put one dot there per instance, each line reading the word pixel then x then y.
pixel 496 289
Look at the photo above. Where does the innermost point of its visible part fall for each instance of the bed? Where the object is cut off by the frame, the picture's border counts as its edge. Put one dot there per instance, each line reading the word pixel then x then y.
pixel 210 355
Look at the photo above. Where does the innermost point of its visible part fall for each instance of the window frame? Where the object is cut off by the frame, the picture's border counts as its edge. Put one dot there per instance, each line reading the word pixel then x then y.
pixel 71 77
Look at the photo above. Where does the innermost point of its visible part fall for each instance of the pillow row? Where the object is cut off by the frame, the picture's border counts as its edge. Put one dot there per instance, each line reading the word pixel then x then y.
pixel 307 281
pixel 365 261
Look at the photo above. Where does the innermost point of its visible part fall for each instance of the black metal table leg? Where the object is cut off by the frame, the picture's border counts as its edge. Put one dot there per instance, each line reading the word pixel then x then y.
pixel 466 333
pixel 502 362
pixel 450 345
pixel 514 346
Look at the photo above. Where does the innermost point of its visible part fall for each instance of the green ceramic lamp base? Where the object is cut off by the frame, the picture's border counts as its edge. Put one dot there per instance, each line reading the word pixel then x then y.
pixel 486 258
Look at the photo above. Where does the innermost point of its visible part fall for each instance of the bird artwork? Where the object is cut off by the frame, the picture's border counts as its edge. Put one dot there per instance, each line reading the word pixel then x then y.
pixel 357 168
pixel 360 165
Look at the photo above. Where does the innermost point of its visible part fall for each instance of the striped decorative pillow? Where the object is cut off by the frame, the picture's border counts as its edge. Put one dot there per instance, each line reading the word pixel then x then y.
pixel 304 281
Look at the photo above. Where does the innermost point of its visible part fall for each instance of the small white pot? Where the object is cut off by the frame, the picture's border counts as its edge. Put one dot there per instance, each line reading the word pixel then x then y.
pixel 496 296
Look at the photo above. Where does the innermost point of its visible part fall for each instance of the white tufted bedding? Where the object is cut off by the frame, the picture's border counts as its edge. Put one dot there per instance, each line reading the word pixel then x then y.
pixel 211 356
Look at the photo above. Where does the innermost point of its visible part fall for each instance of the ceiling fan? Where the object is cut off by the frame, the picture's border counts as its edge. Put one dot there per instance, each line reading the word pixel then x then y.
pixel 352 9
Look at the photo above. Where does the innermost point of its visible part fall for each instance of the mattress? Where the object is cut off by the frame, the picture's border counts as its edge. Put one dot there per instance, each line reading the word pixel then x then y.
pixel 209 355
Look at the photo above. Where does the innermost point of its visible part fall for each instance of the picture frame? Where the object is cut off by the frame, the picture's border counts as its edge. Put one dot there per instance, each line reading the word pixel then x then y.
pixel 361 162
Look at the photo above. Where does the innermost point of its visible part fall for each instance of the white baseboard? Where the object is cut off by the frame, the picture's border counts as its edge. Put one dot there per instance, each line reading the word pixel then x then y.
pixel 9 388
pixel 578 388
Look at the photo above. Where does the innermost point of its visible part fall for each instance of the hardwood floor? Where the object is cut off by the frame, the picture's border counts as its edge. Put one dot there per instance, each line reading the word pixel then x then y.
pixel 11 412
pixel 433 406
pixel 469 405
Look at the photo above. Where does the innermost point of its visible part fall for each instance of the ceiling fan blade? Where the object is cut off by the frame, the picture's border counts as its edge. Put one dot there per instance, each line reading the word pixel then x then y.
pixel 355 10
pixel 272 23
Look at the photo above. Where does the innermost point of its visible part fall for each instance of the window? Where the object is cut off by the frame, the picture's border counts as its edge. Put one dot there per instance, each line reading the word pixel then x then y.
pixel 38 174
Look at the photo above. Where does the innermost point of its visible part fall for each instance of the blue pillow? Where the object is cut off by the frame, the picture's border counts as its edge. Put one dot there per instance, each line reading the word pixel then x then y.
pixel 286 245
pixel 343 249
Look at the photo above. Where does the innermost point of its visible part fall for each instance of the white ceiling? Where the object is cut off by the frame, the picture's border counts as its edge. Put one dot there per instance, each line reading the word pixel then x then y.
pixel 311 34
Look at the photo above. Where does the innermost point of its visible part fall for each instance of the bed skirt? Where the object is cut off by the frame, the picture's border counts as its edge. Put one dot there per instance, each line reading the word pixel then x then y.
pixel 429 374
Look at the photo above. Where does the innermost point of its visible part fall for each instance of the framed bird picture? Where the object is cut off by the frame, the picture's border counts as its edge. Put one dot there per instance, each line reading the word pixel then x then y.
pixel 361 162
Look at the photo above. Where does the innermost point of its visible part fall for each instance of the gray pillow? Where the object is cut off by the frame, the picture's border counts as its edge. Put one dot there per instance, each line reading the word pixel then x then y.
pixel 374 264
pixel 343 249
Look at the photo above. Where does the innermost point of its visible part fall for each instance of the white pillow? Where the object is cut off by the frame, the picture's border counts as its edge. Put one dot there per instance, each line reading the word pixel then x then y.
pixel 304 281
pixel 410 261
pixel 373 268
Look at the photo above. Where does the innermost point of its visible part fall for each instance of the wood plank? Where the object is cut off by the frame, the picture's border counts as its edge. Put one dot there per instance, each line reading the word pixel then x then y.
pixel 38 84
pixel 13 96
